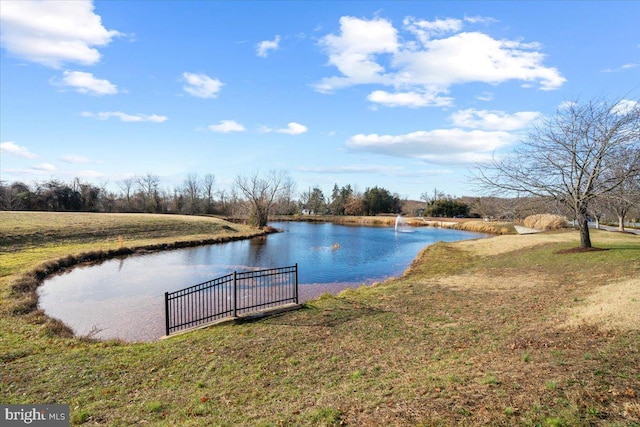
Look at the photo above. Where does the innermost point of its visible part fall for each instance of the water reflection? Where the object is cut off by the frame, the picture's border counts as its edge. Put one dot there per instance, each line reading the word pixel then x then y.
pixel 125 297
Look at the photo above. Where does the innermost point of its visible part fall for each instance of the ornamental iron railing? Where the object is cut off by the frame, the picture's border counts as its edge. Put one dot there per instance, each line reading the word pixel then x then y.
pixel 232 295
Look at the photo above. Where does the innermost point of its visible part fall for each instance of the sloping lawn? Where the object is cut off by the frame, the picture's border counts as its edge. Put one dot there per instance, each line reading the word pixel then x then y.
pixel 499 331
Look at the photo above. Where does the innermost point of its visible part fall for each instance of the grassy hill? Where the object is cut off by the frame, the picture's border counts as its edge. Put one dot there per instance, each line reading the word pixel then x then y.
pixel 502 331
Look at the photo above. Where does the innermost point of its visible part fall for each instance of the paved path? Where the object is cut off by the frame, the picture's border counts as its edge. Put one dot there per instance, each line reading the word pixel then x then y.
pixel 525 230
pixel 610 228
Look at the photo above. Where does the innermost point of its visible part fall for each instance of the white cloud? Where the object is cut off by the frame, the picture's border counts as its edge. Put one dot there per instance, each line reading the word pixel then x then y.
pixel 226 126
pixel 44 167
pixel 623 67
pixel 105 115
pixel 265 46
pixel 354 52
pixel 75 159
pixel 424 30
pixel 12 148
pixel 493 120
pixel 437 146
pixel 480 19
pixel 201 85
pixel 625 106
pixel 409 99
pixel 53 33
pixel 566 105
pixel 86 83
pixel 475 57
pixel 292 128
pixel 485 96
pixel 373 52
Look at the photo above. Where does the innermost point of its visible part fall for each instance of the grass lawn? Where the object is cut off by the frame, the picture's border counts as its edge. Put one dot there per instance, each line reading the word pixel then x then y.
pixel 501 331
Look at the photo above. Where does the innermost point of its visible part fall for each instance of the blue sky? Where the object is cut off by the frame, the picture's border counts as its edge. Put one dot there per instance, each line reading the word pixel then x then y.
pixel 403 95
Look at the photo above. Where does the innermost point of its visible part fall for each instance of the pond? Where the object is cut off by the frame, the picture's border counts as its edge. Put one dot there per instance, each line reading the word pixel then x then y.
pixel 124 297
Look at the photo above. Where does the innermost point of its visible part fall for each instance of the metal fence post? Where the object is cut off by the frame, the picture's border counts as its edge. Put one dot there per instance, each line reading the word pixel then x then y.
pixel 296 285
pixel 235 294
pixel 166 312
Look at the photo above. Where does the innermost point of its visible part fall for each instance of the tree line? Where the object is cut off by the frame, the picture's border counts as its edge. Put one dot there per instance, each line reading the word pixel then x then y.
pixel 256 196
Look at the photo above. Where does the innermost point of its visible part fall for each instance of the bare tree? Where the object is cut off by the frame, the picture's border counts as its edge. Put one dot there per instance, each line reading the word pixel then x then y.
pixel 355 204
pixel 567 157
pixel 234 205
pixel 126 185
pixel 598 209
pixel 208 189
pixel 10 195
pixel 223 202
pixel 191 188
pixel 148 187
pixel 261 192
pixel 429 197
pixel 626 196
pixel 285 203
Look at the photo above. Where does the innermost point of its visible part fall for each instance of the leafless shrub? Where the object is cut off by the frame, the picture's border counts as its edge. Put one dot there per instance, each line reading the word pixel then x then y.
pixel 91 335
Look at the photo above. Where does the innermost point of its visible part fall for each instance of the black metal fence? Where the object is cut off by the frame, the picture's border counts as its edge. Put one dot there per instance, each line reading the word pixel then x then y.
pixel 229 296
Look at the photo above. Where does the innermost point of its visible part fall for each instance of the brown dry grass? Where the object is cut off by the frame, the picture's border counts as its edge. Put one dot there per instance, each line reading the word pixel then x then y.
pixel 464 224
pixel 504 244
pixel 488 227
pixel 545 222
pixel 612 306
